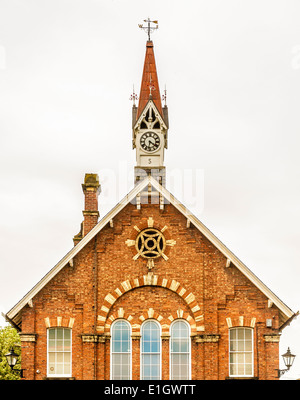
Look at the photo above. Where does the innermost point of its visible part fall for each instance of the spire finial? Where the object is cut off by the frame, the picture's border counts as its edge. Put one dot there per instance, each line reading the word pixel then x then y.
pixel 164 96
pixel 149 29
pixel 133 97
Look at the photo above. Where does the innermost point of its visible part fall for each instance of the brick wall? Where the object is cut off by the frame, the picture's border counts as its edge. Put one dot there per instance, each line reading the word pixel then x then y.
pixel 105 283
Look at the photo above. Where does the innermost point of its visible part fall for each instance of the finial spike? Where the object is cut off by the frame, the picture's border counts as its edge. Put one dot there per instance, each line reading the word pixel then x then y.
pixel 164 96
pixel 133 97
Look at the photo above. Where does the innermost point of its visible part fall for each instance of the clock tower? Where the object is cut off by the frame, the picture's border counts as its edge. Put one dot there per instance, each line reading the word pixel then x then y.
pixel 149 124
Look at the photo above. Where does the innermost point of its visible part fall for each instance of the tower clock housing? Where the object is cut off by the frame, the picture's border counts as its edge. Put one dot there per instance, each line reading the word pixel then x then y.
pixel 150 140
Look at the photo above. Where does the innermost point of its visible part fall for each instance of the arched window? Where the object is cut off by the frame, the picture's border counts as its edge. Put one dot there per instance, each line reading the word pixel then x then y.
pixel 120 350
pixel 151 351
pixel 180 351
pixel 59 352
pixel 241 352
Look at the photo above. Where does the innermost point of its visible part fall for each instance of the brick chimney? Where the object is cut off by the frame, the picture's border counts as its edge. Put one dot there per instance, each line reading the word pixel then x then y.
pixel 91 189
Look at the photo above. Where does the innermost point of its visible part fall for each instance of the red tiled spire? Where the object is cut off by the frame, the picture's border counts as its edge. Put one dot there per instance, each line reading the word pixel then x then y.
pixel 149 78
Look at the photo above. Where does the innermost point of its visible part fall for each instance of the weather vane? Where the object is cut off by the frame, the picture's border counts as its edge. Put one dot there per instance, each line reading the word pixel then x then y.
pixel 149 29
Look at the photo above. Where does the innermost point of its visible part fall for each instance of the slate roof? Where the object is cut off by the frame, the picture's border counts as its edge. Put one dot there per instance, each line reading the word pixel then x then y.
pixel 149 75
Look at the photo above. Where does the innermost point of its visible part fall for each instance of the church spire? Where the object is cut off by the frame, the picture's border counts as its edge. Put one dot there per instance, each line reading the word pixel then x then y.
pixel 149 120
pixel 149 85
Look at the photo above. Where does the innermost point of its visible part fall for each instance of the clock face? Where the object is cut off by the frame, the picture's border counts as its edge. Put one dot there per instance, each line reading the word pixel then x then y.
pixel 150 141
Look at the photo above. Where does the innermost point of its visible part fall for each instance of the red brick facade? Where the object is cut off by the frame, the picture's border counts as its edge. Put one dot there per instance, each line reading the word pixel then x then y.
pixel 104 283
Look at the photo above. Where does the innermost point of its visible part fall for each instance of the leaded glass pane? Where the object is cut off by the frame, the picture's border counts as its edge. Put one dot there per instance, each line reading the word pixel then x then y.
pixel 241 352
pixel 51 345
pixel 248 346
pixel 59 333
pixel 121 351
pixel 248 334
pixel 248 369
pixel 240 333
pixel 59 351
pixel 150 356
pixel 180 348
pixel 241 345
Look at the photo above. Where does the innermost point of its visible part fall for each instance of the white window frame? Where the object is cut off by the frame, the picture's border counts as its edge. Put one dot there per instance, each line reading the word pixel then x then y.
pixel 111 348
pixel 49 375
pixel 241 352
pixel 141 348
pixel 189 349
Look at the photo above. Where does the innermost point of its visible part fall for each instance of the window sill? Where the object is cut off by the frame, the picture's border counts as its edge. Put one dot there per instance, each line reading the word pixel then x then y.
pixel 59 378
pixel 244 378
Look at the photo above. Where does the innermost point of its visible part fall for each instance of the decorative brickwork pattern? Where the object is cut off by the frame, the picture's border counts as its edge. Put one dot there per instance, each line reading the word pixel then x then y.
pixel 148 280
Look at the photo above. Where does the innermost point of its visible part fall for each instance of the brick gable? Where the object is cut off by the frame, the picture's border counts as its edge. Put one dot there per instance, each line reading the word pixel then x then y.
pixel 195 283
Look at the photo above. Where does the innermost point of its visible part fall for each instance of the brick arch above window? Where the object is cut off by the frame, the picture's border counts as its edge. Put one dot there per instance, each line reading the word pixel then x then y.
pixel 181 315
pixel 64 322
pixel 246 321
pixel 121 314
pixel 149 280
pixel 151 314
pixel 118 314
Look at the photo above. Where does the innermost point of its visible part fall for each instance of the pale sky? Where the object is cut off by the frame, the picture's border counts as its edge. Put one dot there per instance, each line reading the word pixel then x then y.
pixel 232 73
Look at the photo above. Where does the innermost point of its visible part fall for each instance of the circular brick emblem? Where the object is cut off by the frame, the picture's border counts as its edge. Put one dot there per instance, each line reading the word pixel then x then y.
pixel 150 243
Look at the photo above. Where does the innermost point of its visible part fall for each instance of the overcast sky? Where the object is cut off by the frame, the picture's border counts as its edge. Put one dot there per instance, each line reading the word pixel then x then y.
pixel 232 73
